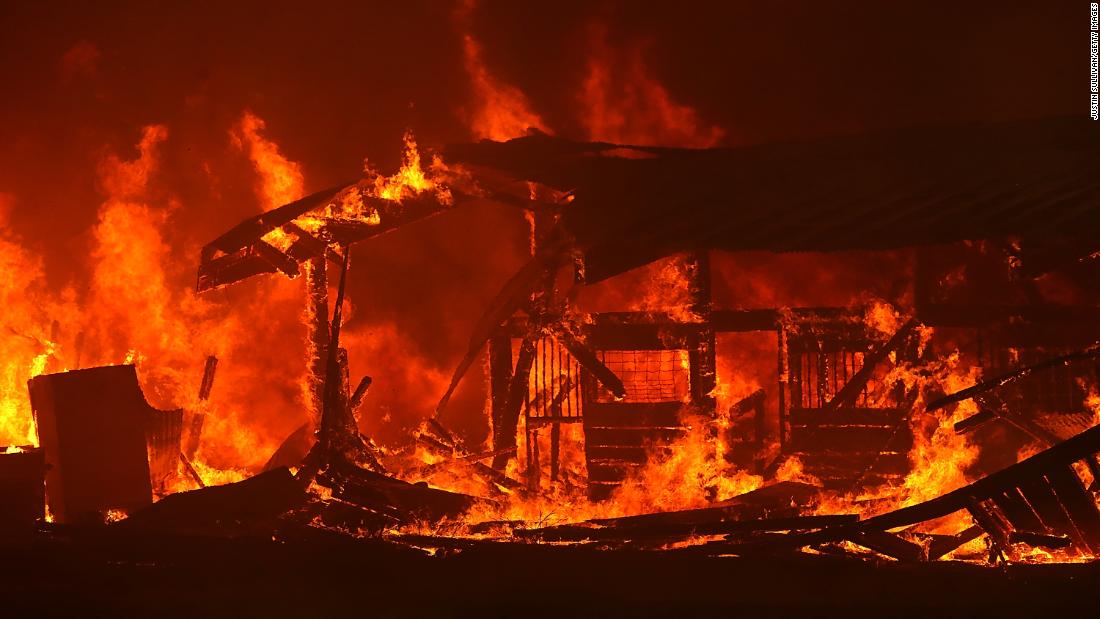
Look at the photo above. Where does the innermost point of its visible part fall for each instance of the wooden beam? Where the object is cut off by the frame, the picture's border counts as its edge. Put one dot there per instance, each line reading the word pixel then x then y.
pixel 988 385
pixel 847 394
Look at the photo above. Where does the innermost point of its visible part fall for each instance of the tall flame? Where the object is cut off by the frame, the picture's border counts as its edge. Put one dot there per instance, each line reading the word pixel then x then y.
pixel 622 102
pixel 281 180
pixel 500 110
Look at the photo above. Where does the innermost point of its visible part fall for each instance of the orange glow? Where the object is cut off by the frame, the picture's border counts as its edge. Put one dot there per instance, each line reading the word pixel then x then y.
pixel 500 111
pixel 281 179
pixel 622 102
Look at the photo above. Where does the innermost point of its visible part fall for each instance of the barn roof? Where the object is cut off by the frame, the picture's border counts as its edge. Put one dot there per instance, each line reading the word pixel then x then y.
pixel 901 188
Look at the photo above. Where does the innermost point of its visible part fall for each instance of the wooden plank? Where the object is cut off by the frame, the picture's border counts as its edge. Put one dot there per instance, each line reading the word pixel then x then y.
pixel 1022 372
pixel 655 335
pixel 1045 503
pixel 848 439
pixel 1041 540
pixel 1016 509
pixel 740 321
pixel 941 545
pixel 890 545
pixel 1065 453
pixel 886 463
pixel 636 437
pixel 625 454
pixel 997 534
pixel 591 362
pixel 607 471
pixel 500 379
pixel 224 270
pixel 846 395
pixel 1078 503
pixel 847 416
pixel 661 414
pixel 689 526
pixel 252 229
pixel 517 390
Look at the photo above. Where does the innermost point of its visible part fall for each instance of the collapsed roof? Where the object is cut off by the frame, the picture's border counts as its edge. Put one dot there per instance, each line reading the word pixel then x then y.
pixel 1035 179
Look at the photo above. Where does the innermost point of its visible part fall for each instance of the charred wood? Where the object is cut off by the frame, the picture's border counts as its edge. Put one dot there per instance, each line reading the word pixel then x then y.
pixel 974 421
pixel 394 497
pixel 250 230
pixel 252 506
pixel 847 394
pixel 517 390
pixel 191 472
pixel 499 367
pixel 587 358
pixel 317 293
pixel 888 544
pixel 198 417
pixel 988 385
pixel 670 529
pixel 283 263
pixel 514 295
pixel 356 399
pixel 945 544
pixel 1040 540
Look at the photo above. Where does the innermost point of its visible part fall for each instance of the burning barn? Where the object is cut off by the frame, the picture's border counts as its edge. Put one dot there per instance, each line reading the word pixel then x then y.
pixel 641 350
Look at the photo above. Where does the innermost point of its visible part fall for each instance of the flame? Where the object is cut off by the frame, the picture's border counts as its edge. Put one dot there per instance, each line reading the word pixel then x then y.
pixel 411 179
pixel 280 179
pixel 114 515
pixel 623 102
pixel 668 289
pixel 138 307
pixel 24 343
pixel 940 458
pixel 500 110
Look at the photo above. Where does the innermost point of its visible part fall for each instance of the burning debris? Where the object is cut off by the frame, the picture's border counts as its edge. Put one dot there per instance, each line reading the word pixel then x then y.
pixel 616 430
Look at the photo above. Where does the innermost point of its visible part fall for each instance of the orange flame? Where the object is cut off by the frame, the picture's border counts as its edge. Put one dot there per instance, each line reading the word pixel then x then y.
pixel 281 179
pixel 622 102
pixel 500 110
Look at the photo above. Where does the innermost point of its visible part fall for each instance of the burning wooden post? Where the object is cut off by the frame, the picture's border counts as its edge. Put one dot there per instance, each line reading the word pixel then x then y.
pixel 198 417
pixel 702 353
pixel 317 310
pixel 500 377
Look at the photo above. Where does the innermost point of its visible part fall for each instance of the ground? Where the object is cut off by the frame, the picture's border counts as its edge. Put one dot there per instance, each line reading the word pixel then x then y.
pixel 95 572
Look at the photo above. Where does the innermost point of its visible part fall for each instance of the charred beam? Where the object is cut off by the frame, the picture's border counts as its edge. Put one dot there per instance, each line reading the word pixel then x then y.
pixel 1040 540
pixel 515 294
pixel 669 529
pixel 283 263
pixel 890 545
pixel 356 399
pixel 589 361
pixel 517 390
pixel 317 310
pixel 847 394
pixel 941 546
pixel 251 230
pixel 988 385
pixel 198 417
